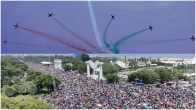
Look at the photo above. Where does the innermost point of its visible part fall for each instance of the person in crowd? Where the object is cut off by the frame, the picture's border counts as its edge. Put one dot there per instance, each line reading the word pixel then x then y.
pixel 79 92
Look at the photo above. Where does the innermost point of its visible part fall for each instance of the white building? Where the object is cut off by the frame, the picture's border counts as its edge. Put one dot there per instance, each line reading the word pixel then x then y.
pixel 122 64
pixel 178 61
pixel 141 64
pixel 190 61
pixel 58 64
pixel 95 70
pixel 47 63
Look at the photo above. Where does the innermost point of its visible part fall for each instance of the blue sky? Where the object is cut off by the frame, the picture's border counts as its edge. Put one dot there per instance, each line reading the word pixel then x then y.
pixel 170 19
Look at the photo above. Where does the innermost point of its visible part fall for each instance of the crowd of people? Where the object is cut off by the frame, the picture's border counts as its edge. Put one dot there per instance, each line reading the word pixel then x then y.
pixel 78 92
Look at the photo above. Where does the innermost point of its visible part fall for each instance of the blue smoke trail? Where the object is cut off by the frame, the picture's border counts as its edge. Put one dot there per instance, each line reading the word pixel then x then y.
pixel 122 40
pixel 115 46
pixel 107 45
pixel 112 47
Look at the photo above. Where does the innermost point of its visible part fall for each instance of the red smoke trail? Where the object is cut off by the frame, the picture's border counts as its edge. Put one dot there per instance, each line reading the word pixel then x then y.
pixel 73 33
pixel 25 44
pixel 54 38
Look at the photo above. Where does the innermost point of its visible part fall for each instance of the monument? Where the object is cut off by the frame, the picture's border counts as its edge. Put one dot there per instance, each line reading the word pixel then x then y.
pixel 95 70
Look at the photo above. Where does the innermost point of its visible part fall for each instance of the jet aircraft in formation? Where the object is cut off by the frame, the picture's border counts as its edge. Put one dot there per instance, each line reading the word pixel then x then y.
pixel 192 38
pixel 16 26
pixel 50 14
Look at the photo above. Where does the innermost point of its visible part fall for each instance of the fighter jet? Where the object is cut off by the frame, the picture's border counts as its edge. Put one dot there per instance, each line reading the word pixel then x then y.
pixel 50 14
pixel 4 41
pixel 113 17
pixel 192 38
pixel 15 26
pixel 150 27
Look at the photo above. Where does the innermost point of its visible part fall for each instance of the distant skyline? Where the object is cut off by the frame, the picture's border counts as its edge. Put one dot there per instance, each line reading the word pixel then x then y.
pixel 189 56
pixel 172 22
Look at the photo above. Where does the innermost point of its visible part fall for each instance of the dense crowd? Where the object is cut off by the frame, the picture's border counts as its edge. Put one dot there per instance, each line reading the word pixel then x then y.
pixel 79 91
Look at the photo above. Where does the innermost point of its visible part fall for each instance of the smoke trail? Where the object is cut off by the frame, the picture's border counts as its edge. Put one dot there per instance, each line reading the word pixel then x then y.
pixel 62 25
pixel 94 23
pixel 54 38
pixel 122 40
pixel 5 42
pixel 115 47
pixel 26 44
pixel 107 45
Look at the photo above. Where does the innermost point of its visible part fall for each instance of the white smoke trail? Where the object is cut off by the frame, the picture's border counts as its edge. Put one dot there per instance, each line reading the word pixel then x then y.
pixel 94 23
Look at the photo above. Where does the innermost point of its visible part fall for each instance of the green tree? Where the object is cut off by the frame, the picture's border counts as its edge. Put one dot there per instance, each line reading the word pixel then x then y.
pixel 43 81
pixel 165 74
pixel 112 78
pixel 178 74
pixel 12 71
pixel 77 63
pixel 148 76
pixel 32 75
pixel 48 82
pixel 25 88
pixel 110 72
pixel 132 76
pixel 109 68
pixel 67 67
pixel 69 59
pixel 80 66
pixel 23 102
pixel 84 57
pixel 9 91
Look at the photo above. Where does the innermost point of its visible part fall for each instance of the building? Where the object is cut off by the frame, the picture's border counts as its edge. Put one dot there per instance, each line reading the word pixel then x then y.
pixel 141 64
pixel 122 64
pixel 58 64
pixel 46 63
pixel 95 70
pixel 178 61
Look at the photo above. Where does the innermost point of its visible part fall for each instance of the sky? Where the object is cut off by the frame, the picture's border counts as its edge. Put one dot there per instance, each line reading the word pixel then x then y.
pixel 172 21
